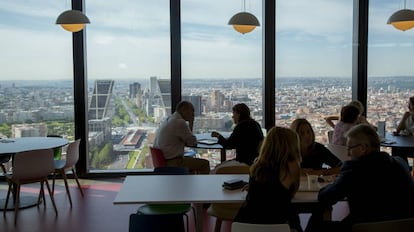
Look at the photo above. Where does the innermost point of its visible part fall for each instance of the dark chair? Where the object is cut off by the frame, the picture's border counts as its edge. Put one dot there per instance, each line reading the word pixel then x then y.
pixel 398 225
pixel 169 209
pixel 156 223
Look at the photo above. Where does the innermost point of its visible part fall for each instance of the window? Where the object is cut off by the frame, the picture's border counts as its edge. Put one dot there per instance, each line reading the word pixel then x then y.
pixel 36 87
pixel 220 67
pixel 313 61
pixel 128 48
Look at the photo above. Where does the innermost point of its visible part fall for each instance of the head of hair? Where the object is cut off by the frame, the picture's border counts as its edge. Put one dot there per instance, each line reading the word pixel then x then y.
pixel 349 114
pixel 299 123
pixel 358 105
pixel 243 111
pixel 280 146
pixel 183 105
pixel 411 100
pixel 365 134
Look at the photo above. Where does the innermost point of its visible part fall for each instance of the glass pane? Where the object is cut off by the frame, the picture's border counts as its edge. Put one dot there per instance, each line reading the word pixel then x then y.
pixel 127 44
pixel 390 69
pixel 313 61
pixel 36 78
pixel 220 66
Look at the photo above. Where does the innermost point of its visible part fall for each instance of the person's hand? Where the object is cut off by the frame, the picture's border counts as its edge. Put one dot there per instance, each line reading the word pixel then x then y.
pixel 215 134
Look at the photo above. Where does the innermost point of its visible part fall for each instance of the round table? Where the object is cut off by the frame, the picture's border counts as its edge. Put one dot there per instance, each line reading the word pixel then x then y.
pixel 10 146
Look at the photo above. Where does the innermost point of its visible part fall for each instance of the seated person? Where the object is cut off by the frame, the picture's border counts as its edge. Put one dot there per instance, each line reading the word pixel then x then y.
pixel 349 118
pixel 245 138
pixel 274 180
pixel 362 182
pixel 174 134
pixel 361 118
pixel 314 154
pixel 406 125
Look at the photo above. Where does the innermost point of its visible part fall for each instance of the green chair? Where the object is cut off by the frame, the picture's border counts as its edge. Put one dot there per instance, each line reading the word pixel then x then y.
pixel 169 209
pixel 57 152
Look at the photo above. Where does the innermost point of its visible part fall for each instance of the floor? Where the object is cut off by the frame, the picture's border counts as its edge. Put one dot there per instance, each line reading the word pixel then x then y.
pixel 93 212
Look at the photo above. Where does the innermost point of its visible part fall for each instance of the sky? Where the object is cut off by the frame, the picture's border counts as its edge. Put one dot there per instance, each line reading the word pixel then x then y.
pixel 129 39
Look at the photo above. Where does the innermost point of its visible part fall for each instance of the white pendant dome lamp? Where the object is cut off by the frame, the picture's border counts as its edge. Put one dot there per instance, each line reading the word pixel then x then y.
pixel 402 19
pixel 72 20
pixel 244 22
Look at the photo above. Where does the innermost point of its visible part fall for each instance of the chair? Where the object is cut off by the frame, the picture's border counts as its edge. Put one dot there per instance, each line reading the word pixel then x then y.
pixel 30 167
pixel 400 225
pixel 57 152
pixel 156 223
pixel 62 166
pixel 4 158
pixel 247 227
pixel 330 134
pixel 226 211
pixel 158 159
pixel 170 209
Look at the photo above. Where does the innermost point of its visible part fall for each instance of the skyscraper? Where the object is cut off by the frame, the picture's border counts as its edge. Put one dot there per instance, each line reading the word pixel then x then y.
pixel 102 92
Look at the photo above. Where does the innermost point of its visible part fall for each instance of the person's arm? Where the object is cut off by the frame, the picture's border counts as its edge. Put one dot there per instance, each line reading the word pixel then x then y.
pixel 401 125
pixel 328 157
pixel 338 190
pixel 184 132
pixel 329 120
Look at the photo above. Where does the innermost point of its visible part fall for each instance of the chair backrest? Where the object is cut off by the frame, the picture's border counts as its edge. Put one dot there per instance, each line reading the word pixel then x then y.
pixel 234 169
pixel 400 225
pixel 330 134
pixel 72 153
pixel 158 158
pixel 156 222
pixel 33 164
pixel 171 170
pixel 247 227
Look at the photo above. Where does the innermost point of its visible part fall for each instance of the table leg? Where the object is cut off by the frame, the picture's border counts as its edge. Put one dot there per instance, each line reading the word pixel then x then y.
pixel 223 155
pixel 199 215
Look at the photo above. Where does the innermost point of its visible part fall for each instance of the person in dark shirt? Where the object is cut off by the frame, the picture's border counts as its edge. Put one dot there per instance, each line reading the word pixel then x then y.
pixel 314 154
pixel 274 180
pixel 246 136
pixel 377 186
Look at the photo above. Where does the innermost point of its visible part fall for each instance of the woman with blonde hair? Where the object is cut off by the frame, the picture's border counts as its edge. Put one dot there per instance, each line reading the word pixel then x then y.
pixel 274 180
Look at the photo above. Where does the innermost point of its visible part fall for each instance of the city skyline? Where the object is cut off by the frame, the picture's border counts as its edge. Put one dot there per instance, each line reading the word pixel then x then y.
pixel 132 40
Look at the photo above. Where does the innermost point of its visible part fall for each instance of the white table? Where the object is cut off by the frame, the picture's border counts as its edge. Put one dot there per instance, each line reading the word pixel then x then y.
pixel 15 145
pixel 11 146
pixel 197 189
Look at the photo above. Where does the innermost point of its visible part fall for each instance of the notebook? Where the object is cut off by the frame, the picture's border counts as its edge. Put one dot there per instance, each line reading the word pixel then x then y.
pixel 209 141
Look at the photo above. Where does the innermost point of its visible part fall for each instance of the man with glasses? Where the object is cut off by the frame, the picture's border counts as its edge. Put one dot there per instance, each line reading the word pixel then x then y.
pixel 377 186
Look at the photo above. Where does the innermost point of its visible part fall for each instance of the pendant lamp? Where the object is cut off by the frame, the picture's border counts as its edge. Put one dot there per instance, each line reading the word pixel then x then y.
pixel 402 19
pixel 72 20
pixel 244 22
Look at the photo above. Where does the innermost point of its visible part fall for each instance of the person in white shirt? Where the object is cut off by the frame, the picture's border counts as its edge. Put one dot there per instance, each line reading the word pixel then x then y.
pixel 175 133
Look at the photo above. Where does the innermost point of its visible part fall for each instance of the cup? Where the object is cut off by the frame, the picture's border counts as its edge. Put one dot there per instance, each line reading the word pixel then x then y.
pixel 381 129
